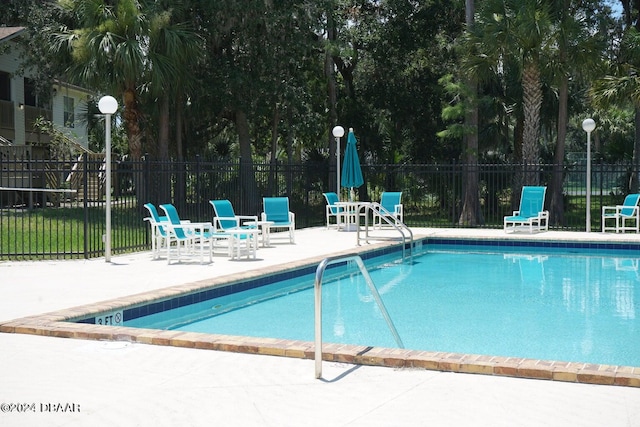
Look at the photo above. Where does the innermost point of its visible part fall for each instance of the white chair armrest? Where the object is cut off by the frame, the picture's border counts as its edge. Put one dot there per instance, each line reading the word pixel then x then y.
pixel 619 209
pixel 217 222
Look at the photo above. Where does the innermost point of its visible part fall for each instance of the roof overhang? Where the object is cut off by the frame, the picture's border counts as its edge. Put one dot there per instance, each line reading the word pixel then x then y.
pixel 7 33
pixel 62 85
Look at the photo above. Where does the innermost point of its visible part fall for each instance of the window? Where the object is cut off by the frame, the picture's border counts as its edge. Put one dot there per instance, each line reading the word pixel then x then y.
pixel 5 86
pixel 69 117
pixel 30 92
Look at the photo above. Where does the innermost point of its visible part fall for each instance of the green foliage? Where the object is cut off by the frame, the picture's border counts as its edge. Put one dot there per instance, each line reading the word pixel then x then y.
pixel 453 112
pixel 52 231
pixel 61 145
pixel 267 59
pixel 622 86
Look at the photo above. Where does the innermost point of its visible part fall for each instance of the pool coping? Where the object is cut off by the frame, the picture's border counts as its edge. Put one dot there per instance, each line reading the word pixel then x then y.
pixel 56 324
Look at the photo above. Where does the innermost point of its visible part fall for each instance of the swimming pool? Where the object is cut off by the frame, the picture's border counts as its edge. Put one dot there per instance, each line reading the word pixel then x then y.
pixel 567 304
pixel 103 320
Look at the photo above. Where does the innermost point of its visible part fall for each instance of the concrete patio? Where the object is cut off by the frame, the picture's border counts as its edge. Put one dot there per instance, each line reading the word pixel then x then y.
pixel 122 383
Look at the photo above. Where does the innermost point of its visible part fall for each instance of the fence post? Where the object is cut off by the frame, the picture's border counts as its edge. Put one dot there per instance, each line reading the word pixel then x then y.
pixel 197 196
pixel 454 197
pixel 600 166
pixel 145 193
pixel 85 205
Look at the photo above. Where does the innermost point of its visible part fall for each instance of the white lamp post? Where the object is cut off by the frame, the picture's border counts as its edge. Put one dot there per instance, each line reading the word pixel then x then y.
pixel 588 125
pixel 338 132
pixel 107 105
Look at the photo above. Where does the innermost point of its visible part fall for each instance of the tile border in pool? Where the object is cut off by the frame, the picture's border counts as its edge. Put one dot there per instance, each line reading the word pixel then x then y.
pixel 229 285
pixel 57 324
pixel 588 246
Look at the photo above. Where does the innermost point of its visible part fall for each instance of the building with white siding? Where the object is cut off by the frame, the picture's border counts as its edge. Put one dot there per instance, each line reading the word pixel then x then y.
pixel 20 105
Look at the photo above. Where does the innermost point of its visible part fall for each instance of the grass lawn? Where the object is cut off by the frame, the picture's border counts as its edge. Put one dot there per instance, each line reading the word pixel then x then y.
pixel 67 232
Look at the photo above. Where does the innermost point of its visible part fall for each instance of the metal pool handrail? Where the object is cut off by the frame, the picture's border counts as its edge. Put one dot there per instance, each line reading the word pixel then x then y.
pixel 399 226
pixel 318 303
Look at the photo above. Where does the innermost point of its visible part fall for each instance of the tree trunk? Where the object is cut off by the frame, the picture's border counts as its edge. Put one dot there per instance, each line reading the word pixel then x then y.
pixel 556 199
pixel 332 94
pixel 531 103
pixel 273 161
pixel 518 176
pixel 131 122
pixel 248 183
pixel 631 12
pixel 179 128
pixel 471 214
pixel 163 179
pixel 181 184
pixel 135 144
pixel 163 131
pixel 633 180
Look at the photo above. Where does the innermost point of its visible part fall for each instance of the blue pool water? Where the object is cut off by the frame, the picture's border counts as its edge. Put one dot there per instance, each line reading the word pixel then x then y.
pixel 545 305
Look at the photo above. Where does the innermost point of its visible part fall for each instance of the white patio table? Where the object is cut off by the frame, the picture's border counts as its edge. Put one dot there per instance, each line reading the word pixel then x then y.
pixel 354 212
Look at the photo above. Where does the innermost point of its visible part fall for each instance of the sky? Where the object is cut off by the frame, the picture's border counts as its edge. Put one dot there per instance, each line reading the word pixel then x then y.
pixel 616 7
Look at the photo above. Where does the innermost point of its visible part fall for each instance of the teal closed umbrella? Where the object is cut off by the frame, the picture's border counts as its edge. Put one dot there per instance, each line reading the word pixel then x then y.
pixel 351 171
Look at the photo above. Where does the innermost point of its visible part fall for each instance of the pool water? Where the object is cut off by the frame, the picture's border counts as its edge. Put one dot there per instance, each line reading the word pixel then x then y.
pixel 546 305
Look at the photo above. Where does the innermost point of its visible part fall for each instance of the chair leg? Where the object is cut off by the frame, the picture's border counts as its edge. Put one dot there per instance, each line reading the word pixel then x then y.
pixel 153 242
pixel 253 244
pixel 232 246
pixel 168 251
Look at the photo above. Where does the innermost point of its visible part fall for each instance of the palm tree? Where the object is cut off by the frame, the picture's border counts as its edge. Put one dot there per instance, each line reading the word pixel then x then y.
pixel 622 88
pixel 134 50
pixel 471 213
pixel 515 32
pixel 174 48
pixel 109 47
pixel 577 56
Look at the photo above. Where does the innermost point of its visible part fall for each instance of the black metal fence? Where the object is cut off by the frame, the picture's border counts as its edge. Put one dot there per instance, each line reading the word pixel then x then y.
pixel 56 208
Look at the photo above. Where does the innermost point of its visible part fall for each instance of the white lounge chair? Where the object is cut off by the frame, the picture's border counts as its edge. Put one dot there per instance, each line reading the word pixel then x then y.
pixel 391 208
pixel 628 211
pixel 531 216
pixel 186 235
pixel 158 232
pixel 226 218
pixel 333 211
pixel 240 230
pixel 276 215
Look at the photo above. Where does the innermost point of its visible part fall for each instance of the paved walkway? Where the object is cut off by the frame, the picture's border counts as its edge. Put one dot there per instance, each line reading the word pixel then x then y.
pixel 121 383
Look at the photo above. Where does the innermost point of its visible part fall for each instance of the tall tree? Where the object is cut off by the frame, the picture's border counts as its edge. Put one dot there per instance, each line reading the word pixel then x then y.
pixel 516 32
pixel 578 51
pixel 332 90
pixel 393 97
pixel 622 87
pixel 471 213
pixel 108 44
pixel 174 52
pixel 257 52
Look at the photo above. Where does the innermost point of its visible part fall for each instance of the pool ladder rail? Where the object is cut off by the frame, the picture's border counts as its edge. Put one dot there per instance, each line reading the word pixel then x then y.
pixel 385 215
pixel 318 303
